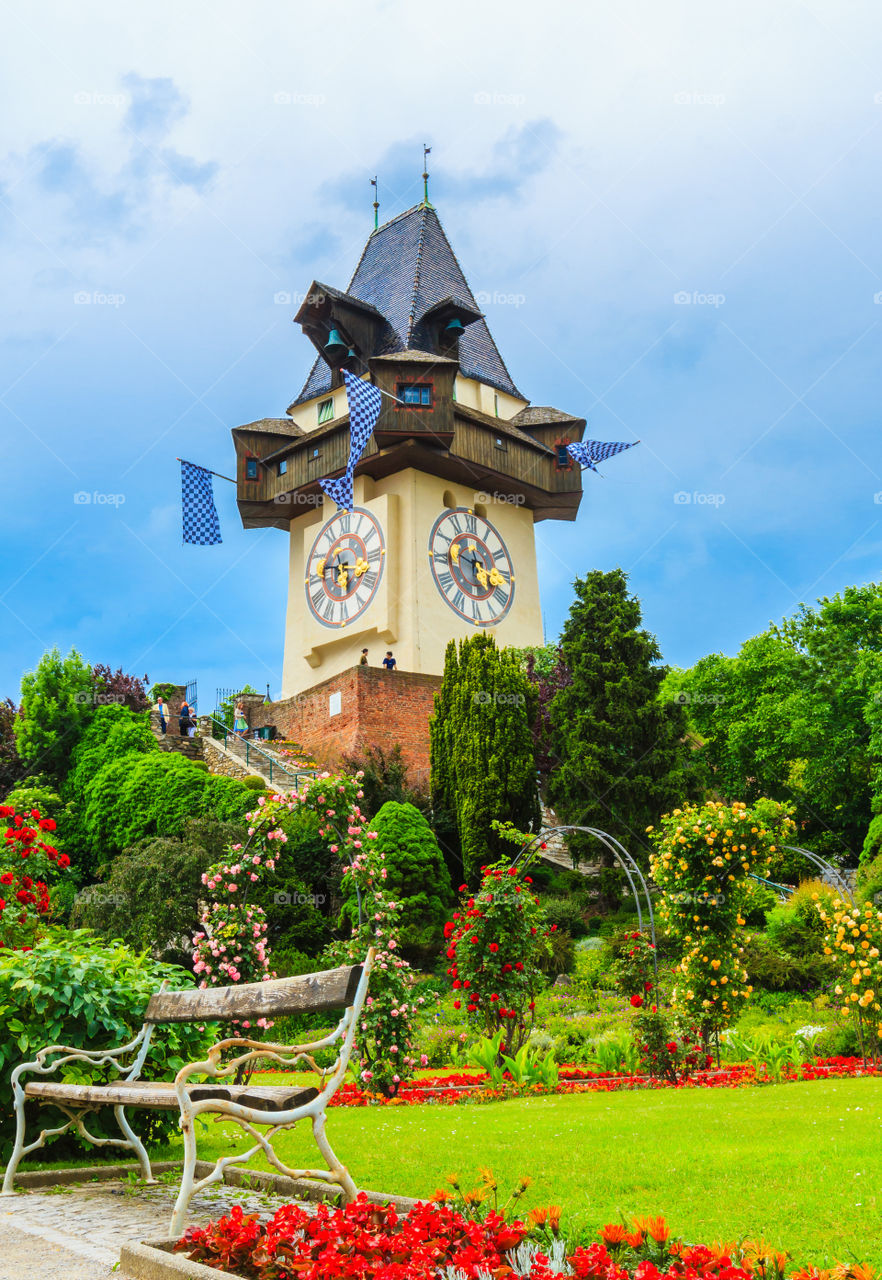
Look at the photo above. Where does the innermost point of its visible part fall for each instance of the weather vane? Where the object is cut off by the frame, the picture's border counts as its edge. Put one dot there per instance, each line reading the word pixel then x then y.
pixel 376 203
pixel 426 153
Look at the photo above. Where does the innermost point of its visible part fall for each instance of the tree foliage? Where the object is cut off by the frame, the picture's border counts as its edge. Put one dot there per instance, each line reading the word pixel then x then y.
pixel 151 897
pixel 384 778
pixel 618 750
pixel 56 704
pixel 416 877
pixel 116 686
pixel 482 761
pixel 797 715
pixel 11 766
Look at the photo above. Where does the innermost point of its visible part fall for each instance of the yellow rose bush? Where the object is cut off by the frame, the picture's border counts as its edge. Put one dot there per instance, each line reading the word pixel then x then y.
pixel 854 937
pixel 704 857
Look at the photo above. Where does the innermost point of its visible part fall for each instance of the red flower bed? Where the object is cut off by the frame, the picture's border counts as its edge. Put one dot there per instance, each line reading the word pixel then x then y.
pixel 453 1087
pixel 366 1242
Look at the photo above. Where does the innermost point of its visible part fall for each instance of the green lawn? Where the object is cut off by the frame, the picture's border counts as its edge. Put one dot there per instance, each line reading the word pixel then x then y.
pixel 800 1164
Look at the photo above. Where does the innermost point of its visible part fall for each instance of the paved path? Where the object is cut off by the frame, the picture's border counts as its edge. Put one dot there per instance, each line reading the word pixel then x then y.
pixel 76 1232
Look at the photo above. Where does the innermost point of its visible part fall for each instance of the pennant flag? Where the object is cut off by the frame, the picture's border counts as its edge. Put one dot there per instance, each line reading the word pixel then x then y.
pixel 201 525
pixel 364 409
pixel 592 451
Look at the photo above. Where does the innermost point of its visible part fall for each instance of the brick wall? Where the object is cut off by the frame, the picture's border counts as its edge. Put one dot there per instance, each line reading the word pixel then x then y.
pixel 376 708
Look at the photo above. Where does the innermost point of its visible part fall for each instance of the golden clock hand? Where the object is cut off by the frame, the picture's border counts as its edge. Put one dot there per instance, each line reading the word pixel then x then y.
pixel 496 578
pixel 454 553
pixel 361 567
pixel 481 574
pixel 320 568
pixel 343 577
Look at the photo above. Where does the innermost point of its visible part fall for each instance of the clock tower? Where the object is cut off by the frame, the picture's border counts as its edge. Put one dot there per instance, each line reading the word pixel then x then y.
pixel 459 469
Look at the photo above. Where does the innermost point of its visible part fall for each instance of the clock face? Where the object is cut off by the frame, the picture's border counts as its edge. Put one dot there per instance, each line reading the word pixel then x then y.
pixel 471 567
pixel 344 567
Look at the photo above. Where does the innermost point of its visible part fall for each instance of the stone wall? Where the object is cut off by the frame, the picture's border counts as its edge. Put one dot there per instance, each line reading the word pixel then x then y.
pixel 361 707
pixel 221 764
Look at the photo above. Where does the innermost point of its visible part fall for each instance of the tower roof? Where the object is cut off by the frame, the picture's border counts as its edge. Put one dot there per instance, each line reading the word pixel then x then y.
pixel 407 268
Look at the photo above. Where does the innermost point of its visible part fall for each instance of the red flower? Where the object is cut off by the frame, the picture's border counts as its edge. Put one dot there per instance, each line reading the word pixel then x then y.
pixel 494 997
pixel 6 878
pixel 512 871
pixel 672 1048
pixel 647 986
pixel 63 860
pixel 457 1004
pixel 519 966
pixel 494 946
pixel 47 824
pixel 636 1001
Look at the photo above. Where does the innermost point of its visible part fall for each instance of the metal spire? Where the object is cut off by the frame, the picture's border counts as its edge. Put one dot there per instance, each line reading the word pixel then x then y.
pixel 426 153
pixel 376 203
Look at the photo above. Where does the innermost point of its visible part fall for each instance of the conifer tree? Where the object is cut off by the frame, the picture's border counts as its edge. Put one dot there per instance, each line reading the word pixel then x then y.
pixel 618 750
pixel 483 765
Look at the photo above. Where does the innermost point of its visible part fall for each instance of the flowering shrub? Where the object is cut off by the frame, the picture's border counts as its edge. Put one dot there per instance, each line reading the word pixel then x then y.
pixel 27 862
pixel 668 1046
pixel 231 945
pixel 495 943
pixel 364 1241
pixel 704 856
pixel 854 937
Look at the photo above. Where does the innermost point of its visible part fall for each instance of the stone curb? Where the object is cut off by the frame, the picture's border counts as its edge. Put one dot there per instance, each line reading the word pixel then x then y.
pixel 154 1259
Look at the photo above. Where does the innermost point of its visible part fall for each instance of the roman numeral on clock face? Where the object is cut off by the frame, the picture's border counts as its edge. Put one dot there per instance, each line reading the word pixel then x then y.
pixel 346 541
pixel 476 577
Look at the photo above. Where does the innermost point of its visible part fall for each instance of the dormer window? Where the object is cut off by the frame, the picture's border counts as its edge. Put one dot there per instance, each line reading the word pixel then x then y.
pixel 416 395
pixel 250 468
pixel 562 459
pixel 325 410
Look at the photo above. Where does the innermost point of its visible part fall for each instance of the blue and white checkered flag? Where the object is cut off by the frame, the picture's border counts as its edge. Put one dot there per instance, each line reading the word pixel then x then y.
pixel 591 451
pixel 201 525
pixel 364 408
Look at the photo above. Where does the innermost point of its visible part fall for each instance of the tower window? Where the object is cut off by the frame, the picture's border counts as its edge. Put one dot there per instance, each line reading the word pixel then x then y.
pixel 315 455
pixel 499 443
pixel 250 468
pixel 326 410
pixel 562 459
pixel 415 395
pixel 283 466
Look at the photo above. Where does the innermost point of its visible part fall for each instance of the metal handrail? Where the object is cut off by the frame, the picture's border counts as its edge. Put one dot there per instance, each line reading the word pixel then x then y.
pixel 252 746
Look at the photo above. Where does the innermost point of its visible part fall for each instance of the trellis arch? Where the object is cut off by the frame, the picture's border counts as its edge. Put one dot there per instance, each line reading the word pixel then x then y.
pixel 528 852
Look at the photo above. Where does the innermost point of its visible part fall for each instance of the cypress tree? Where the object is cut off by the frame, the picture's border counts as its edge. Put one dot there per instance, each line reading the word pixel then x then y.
pixel 482 761
pixel 618 750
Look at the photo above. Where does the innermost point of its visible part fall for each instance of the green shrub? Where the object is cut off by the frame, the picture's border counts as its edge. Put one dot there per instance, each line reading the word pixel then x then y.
pixel 873 842
pixel 254 783
pixel 562 956
pixel 566 914
pixel 151 896
pixel 75 989
pixel 227 799
pixel 56 706
pixel 778 970
pixel 869 881
pixel 199 764
pixel 417 877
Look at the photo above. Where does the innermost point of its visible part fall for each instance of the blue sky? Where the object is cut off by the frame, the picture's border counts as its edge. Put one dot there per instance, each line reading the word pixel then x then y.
pixel 672 211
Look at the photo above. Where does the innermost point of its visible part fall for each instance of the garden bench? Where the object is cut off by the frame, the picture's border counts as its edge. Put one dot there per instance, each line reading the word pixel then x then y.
pixel 278 1106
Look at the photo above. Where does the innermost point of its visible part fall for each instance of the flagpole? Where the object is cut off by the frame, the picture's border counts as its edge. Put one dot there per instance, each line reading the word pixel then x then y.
pixel 208 469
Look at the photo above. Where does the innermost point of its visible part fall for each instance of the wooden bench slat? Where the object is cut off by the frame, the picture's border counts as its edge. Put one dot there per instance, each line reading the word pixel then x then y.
pixel 307 993
pixel 162 1097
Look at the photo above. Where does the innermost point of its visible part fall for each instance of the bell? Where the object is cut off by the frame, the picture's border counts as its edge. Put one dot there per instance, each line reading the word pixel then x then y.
pixel 350 354
pixel 335 343
pixel 454 328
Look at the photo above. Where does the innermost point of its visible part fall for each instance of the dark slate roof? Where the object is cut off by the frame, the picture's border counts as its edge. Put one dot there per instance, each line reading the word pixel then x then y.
pixel 406 268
